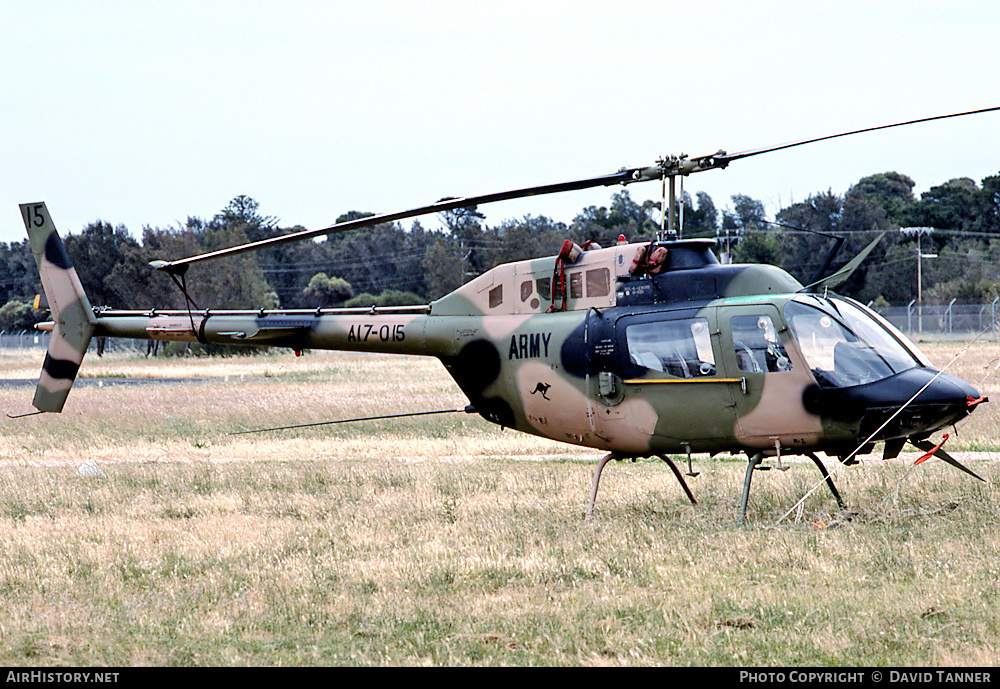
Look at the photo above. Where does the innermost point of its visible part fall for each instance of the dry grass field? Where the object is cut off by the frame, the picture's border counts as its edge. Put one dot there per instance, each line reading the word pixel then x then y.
pixel 135 531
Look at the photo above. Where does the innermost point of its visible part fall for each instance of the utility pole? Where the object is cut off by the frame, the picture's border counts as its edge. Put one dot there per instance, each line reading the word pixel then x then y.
pixel 919 232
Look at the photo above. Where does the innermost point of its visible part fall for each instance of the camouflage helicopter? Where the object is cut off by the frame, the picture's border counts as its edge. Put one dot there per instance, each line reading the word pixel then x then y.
pixel 640 349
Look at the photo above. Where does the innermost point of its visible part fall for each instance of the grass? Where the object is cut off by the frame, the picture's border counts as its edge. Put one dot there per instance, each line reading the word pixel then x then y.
pixel 445 541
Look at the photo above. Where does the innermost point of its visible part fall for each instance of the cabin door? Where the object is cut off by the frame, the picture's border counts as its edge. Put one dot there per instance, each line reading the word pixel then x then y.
pixel 672 385
pixel 757 347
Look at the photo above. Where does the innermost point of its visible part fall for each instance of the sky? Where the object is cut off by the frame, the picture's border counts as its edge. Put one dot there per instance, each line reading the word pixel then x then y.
pixel 145 113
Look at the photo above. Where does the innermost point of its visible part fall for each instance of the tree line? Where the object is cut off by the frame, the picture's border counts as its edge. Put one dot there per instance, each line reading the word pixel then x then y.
pixel 393 264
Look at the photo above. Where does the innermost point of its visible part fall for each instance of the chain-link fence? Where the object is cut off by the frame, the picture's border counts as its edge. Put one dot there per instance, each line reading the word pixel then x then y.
pixel 20 341
pixel 945 320
pixel 24 341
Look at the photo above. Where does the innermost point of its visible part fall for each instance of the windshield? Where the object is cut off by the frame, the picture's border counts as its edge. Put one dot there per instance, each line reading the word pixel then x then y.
pixel 843 344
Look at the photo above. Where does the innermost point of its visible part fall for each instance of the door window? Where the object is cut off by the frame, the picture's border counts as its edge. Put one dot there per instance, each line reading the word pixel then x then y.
pixel 758 347
pixel 681 348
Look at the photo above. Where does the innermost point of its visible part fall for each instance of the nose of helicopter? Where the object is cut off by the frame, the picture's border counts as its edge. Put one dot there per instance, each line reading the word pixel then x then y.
pixel 916 402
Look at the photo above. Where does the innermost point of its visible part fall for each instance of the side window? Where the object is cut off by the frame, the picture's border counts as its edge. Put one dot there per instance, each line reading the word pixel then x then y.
pixel 576 285
pixel 681 348
pixel 526 290
pixel 544 287
pixel 496 296
pixel 598 282
pixel 758 347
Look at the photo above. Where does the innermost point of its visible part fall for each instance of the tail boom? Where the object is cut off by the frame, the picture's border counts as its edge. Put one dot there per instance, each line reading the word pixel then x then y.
pixel 387 331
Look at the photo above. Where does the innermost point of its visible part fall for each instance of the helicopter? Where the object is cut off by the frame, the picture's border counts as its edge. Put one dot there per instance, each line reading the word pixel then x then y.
pixel 642 349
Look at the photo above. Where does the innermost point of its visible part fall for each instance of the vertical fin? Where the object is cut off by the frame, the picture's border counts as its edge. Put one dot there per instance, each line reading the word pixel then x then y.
pixel 71 310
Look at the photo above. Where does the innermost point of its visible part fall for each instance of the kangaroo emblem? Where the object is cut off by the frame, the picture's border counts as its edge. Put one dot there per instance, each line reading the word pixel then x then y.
pixel 542 388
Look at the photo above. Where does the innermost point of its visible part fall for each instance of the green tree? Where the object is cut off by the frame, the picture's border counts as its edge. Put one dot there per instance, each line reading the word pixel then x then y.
pixel 862 219
pixel 893 191
pixel 233 282
pixel 96 252
pixel 604 225
pixel 745 219
pixel 965 269
pixel 988 220
pixel 390 297
pixel 701 220
pixel 747 214
pixel 759 246
pixel 373 259
pixel 954 205
pixel 805 234
pixel 17 316
pixel 244 212
pixel 326 291
pixel 18 273
pixel 140 286
pixel 444 266
pixel 466 227
pixel 529 237
pixel 395 297
pixel 894 277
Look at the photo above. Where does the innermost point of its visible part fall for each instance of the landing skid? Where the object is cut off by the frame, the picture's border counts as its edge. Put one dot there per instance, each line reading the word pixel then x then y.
pixel 607 458
pixel 754 463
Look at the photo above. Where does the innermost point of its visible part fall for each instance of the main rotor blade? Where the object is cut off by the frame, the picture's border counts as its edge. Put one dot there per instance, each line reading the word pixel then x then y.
pixel 624 176
pixel 726 158
pixel 670 166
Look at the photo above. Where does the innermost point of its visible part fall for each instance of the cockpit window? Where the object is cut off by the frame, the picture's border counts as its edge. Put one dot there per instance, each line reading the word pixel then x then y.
pixel 843 344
